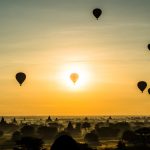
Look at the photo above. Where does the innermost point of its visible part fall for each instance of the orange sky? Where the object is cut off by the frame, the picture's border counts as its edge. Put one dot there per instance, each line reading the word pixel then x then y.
pixel 51 39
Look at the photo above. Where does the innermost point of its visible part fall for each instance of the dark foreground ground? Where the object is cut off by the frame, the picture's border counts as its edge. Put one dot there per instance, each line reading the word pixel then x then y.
pixel 101 133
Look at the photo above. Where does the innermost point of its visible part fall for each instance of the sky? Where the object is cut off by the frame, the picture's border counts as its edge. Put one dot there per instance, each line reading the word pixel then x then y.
pixel 50 39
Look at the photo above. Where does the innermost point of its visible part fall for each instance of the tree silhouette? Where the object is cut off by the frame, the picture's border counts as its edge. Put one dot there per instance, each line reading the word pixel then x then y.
pixel 121 145
pixel 91 138
pixel 144 134
pixel 65 142
pixel 16 136
pixel 1 133
pixel 130 136
pixel 27 130
pixel 86 125
pixel 47 132
pixel 30 143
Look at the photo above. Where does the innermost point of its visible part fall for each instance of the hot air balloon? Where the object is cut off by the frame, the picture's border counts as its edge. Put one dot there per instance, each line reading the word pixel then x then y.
pixel 148 46
pixel 20 77
pixel 142 85
pixel 97 12
pixel 74 77
pixel 149 91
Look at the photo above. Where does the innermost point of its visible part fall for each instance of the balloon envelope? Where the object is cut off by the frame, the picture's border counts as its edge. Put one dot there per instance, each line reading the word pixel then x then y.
pixel 149 91
pixel 148 46
pixel 142 85
pixel 20 77
pixel 97 12
pixel 74 77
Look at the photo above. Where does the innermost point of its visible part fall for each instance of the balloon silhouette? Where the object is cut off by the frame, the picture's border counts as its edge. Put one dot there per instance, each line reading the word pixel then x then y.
pixel 148 46
pixel 149 91
pixel 97 12
pixel 142 85
pixel 20 77
pixel 74 77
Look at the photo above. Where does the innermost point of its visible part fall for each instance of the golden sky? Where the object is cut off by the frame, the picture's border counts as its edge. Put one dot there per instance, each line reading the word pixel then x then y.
pixel 48 40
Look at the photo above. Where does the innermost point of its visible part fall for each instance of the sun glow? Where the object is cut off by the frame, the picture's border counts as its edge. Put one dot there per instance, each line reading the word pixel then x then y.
pixel 82 81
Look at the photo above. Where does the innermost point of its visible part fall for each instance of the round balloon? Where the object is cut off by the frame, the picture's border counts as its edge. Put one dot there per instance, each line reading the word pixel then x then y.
pixel 74 77
pixel 149 91
pixel 20 77
pixel 142 85
pixel 148 46
pixel 97 12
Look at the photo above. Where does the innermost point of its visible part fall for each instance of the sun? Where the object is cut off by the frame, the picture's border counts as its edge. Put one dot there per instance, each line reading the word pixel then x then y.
pixel 75 72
